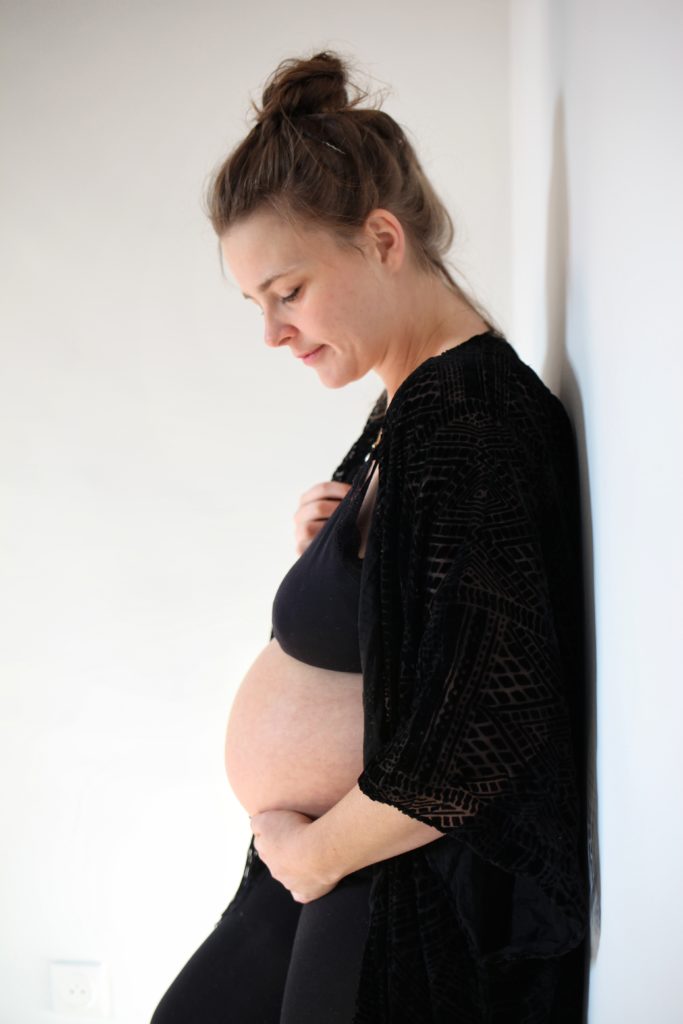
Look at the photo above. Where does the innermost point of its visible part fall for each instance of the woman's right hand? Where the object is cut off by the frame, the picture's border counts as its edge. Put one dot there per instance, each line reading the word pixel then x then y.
pixel 316 505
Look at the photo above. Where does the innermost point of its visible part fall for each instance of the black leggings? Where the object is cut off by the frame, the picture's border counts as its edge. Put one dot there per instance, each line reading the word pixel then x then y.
pixel 271 960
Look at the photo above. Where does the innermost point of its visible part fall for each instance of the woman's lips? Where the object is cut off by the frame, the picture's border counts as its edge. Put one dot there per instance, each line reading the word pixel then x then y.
pixel 312 355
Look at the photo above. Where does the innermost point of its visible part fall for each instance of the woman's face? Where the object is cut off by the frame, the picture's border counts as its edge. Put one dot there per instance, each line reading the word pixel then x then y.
pixel 332 302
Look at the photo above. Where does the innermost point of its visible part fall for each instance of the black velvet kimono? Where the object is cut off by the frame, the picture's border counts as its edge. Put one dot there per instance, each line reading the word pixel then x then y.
pixel 471 633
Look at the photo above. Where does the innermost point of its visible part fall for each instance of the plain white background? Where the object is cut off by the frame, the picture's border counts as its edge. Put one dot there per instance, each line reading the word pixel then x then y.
pixel 153 450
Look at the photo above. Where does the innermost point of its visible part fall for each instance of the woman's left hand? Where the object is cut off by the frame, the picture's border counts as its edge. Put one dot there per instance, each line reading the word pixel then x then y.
pixel 279 838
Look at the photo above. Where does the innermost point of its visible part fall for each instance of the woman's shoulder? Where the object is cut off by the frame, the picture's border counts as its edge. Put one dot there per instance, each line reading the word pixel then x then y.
pixel 478 393
pixel 482 382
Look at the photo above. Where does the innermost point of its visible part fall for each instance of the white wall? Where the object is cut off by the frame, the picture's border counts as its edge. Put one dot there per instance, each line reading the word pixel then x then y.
pixel 153 453
pixel 597 258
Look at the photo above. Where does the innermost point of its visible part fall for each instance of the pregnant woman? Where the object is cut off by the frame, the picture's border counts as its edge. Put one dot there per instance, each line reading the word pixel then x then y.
pixel 409 743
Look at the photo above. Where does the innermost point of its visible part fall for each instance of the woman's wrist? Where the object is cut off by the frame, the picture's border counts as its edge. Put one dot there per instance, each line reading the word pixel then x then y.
pixel 358 831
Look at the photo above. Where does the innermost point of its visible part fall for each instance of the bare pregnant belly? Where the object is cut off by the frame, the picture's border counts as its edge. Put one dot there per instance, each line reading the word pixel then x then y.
pixel 295 735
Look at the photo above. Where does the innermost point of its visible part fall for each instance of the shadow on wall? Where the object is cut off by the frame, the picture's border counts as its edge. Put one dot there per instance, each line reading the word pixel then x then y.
pixel 558 369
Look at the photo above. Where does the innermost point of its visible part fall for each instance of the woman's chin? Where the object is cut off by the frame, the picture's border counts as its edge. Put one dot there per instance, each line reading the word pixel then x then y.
pixel 338 379
pixel 332 380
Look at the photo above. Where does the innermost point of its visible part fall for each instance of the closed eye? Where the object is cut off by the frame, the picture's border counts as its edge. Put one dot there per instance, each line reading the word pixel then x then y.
pixel 286 298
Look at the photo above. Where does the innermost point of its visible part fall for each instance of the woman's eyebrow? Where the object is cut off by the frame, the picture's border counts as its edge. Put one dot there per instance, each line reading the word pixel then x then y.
pixel 265 285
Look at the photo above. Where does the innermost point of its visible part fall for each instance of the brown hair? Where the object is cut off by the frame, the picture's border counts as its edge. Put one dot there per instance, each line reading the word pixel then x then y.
pixel 314 156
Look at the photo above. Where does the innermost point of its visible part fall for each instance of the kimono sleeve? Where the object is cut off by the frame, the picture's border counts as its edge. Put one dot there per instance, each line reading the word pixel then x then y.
pixel 481 746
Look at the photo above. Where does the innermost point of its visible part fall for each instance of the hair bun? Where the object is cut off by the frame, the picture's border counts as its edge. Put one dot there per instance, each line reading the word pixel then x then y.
pixel 300 87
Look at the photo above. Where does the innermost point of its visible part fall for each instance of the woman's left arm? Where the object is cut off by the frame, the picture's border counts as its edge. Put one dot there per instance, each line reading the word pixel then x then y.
pixel 310 856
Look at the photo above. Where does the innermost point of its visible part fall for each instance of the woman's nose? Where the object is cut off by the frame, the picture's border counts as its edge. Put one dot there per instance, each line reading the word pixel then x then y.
pixel 275 332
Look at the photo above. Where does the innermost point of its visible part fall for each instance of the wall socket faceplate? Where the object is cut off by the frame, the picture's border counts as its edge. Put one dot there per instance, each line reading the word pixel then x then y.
pixel 79 988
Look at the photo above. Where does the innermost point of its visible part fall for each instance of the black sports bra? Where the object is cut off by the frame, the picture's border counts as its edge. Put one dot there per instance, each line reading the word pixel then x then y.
pixel 315 610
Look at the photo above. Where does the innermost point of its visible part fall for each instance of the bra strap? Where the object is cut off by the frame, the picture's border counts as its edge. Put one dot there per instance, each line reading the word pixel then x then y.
pixel 349 531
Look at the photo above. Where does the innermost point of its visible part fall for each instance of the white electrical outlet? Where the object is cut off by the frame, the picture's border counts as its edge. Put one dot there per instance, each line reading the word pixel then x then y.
pixel 79 988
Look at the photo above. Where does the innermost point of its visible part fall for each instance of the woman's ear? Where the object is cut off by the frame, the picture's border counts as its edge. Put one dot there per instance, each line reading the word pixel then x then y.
pixel 385 238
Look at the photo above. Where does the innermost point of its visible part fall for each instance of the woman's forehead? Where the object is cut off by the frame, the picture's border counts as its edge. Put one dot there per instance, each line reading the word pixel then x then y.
pixel 264 246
